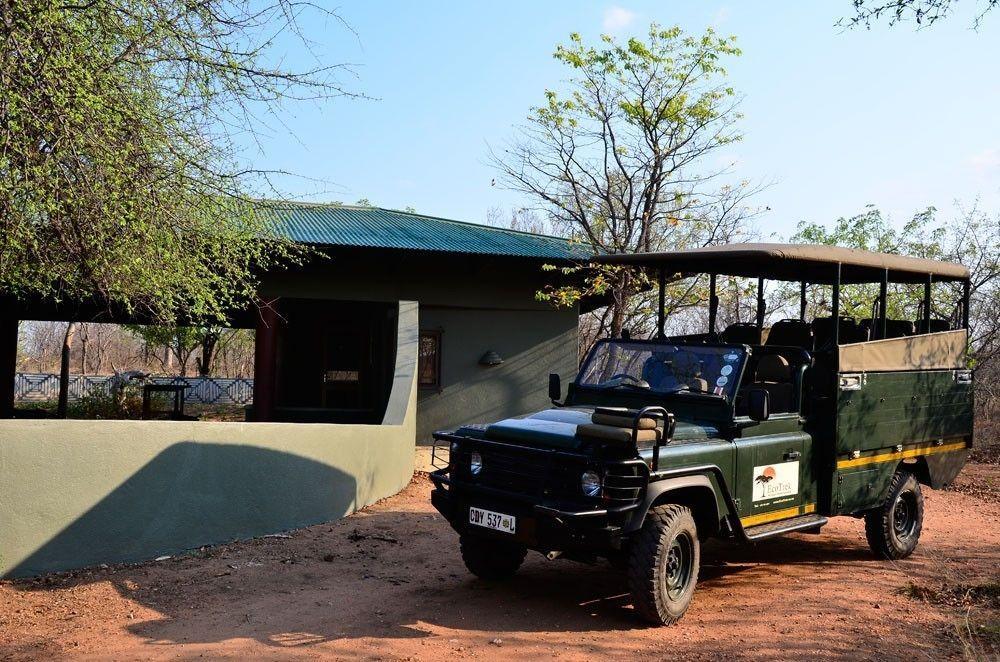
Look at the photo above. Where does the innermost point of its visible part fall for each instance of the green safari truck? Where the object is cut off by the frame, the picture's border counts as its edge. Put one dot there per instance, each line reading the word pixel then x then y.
pixel 746 433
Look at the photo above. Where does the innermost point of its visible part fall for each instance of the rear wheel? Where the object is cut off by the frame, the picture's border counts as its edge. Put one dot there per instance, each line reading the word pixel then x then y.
pixel 893 529
pixel 494 560
pixel 663 564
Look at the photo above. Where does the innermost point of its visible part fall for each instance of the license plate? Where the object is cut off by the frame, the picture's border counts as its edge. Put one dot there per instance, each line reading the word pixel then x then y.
pixel 491 520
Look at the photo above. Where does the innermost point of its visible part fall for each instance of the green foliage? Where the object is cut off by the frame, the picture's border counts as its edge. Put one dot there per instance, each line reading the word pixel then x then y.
pixel 108 405
pixel 871 231
pixel 618 159
pixel 118 182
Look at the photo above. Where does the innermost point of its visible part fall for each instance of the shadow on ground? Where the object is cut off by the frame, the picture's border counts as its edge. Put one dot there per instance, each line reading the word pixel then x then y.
pixel 383 578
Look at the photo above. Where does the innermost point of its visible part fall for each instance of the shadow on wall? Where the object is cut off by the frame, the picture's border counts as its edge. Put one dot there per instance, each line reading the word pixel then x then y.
pixel 194 494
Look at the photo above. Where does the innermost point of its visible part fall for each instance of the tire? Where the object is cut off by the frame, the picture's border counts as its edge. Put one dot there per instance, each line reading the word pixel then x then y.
pixel 493 560
pixel 664 557
pixel 893 529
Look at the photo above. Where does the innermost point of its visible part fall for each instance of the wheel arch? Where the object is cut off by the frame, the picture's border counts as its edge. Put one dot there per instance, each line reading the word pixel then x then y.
pixel 696 492
pixel 937 470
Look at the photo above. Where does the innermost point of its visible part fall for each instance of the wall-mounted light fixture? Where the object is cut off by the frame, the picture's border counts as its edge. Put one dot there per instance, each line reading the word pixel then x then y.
pixel 490 359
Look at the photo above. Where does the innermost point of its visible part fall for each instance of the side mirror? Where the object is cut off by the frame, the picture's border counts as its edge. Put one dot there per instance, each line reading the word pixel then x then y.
pixel 758 404
pixel 555 387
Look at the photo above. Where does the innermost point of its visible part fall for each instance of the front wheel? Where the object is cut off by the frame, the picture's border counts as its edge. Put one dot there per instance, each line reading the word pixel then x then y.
pixel 493 560
pixel 893 529
pixel 663 564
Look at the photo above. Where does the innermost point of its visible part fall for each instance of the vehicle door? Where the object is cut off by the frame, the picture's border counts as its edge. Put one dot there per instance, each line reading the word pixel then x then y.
pixel 774 476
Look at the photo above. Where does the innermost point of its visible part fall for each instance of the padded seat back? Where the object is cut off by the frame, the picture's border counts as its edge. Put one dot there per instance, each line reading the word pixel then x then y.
pixel 774 374
pixel 893 328
pixel 936 326
pixel 742 333
pixel 849 331
pixel 791 333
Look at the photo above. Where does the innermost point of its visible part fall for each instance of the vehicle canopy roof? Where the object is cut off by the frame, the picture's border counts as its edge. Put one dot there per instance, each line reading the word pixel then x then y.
pixel 795 262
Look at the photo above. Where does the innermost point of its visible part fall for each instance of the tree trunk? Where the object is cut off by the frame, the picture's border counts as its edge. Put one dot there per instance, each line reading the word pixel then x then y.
pixel 84 337
pixel 64 370
pixel 208 346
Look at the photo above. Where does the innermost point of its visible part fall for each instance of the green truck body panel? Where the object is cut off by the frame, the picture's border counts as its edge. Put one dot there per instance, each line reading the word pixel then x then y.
pixel 892 412
pixel 893 408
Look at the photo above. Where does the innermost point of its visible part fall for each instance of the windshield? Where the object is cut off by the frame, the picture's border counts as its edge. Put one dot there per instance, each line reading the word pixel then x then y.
pixel 664 368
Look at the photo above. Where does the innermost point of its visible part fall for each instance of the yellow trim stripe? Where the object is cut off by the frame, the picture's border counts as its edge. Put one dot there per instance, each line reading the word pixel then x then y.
pixel 774 516
pixel 917 451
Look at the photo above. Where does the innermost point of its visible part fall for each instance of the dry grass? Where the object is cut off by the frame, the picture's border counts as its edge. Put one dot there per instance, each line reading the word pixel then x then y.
pixel 976 605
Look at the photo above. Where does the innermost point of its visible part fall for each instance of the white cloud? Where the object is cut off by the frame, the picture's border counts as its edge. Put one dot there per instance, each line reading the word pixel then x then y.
pixel 721 16
pixel 617 18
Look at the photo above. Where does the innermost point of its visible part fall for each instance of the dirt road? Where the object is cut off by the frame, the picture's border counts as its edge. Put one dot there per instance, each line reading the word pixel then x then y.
pixel 387 583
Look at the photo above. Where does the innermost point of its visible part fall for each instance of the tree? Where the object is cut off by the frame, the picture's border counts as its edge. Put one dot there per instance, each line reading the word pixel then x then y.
pixel 972 238
pixel 921 236
pixel 619 161
pixel 923 12
pixel 119 178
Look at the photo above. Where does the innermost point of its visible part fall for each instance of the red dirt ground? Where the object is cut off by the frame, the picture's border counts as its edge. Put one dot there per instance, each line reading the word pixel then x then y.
pixel 387 583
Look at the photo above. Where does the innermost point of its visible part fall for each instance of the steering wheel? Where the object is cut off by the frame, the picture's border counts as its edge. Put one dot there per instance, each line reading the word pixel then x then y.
pixel 622 377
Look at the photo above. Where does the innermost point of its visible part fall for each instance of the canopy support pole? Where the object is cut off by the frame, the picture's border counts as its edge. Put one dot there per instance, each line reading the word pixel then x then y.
pixel 883 304
pixel 927 304
pixel 713 304
pixel 835 308
pixel 661 313
pixel 760 303
pixel 966 289
pixel 802 301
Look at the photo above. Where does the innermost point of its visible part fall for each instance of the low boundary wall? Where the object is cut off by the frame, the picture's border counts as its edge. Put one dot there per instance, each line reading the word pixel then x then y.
pixel 77 493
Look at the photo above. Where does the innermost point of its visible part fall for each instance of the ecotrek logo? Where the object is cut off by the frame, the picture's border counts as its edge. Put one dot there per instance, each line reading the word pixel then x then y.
pixel 772 481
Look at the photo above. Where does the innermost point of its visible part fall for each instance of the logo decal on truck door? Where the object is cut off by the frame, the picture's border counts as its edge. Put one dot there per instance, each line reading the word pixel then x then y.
pixel 772 481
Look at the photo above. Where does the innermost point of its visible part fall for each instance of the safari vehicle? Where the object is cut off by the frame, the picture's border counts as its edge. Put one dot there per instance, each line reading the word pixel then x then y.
pixel 745 434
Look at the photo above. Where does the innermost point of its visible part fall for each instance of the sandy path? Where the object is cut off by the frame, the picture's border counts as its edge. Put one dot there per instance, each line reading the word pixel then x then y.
pixel 387 583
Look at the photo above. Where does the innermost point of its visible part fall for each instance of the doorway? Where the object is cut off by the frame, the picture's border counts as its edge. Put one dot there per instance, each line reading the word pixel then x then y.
pixel 335 361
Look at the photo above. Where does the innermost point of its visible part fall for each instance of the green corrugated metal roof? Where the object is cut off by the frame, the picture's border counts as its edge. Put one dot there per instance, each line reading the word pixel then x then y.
pixel 374 227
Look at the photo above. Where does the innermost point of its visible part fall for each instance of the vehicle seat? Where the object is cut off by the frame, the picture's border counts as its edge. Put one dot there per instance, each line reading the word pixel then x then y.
pixel 742 333
pixel 791 333
pixel 893 328
pixel 936 326
pixel 849 331
pixel 687 370
pixel 774 374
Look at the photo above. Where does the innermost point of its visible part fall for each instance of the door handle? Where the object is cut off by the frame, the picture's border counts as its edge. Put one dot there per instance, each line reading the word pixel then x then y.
pixel 793 455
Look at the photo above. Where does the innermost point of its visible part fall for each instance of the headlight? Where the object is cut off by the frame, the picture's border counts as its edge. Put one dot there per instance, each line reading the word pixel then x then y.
pixel 590 483
pixel 475 463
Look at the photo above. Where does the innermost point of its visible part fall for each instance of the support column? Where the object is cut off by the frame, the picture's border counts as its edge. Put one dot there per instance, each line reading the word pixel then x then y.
pixel 265 362
pixel 8 365
pixel 802 301
pixel 835 308
pixel 927 303
pixel 760 303
pixel 661 313
pixel 713 305
pixel 883 305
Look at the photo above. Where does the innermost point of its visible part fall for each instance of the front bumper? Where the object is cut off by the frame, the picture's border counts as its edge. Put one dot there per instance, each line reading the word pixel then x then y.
pixel 545 526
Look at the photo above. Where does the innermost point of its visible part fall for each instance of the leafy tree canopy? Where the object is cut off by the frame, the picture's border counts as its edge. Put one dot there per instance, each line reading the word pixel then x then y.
pixel 619 159
pixel 119 181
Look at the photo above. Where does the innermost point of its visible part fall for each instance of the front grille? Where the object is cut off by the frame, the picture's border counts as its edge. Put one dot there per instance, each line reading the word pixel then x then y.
pixel 543 475
pixel 522 471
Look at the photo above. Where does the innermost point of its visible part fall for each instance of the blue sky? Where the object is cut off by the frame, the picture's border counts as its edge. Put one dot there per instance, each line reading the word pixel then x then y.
pixel 835 119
